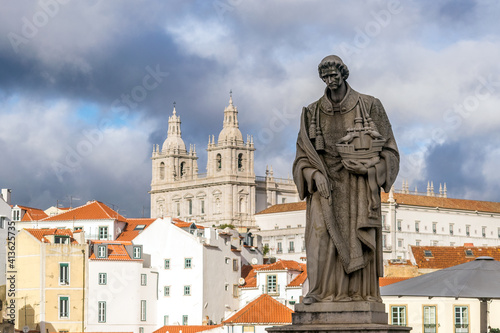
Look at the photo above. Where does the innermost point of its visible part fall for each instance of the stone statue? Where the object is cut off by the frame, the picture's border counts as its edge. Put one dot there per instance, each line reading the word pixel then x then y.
pixel 345 153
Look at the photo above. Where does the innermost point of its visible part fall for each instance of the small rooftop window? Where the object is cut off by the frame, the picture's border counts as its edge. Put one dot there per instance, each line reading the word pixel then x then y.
pixel 469 253
pixel 140 227
pixel 427 253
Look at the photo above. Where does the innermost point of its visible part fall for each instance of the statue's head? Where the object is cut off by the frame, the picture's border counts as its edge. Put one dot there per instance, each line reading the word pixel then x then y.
pixel 333 61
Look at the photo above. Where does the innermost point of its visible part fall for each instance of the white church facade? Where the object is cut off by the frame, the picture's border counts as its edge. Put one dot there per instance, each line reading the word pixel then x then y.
pixel 228 193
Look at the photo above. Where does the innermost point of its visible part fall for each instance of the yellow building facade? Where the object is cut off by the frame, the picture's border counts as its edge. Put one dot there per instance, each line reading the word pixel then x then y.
pixel 50 280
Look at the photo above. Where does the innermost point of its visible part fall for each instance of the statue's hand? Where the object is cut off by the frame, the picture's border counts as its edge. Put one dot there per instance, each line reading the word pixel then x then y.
pixel 355 167
pixel 321 184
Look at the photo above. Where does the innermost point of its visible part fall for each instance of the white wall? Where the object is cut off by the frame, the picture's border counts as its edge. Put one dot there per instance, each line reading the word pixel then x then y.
pixel 122 293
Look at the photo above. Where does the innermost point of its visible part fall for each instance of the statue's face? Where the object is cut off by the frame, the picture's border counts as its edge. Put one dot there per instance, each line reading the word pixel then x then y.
pixel 332 77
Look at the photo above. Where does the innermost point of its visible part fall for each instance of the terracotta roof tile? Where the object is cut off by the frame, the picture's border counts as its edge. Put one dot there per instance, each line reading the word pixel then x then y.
pixel 186 328
pixel 116 251
pixel 263 310
pixel 299 280
pixel 130 232
pixel 385 281
pixel 249 273
pixel 32 214
pixel 282 265
pixel 450 203
pixel 282 208
pixel 439 257
pixel 93 210
pixel 41 233
pixel 182 224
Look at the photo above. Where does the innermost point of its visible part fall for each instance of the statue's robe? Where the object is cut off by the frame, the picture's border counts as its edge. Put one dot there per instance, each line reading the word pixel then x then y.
pixel 343 232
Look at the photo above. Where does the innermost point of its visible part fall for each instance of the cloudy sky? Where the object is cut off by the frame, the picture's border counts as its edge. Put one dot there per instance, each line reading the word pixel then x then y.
pixel 86 87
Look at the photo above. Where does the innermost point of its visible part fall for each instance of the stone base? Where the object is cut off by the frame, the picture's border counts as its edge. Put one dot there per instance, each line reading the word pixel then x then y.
pixel 339 317
pixel 339 328
pixel 340 313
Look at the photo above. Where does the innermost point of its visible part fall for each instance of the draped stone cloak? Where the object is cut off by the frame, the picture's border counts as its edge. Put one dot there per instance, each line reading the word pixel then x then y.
pixel 352 214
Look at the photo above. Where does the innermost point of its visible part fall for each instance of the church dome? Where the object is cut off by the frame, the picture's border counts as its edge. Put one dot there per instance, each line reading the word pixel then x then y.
pixel 174 139
pixel 230 130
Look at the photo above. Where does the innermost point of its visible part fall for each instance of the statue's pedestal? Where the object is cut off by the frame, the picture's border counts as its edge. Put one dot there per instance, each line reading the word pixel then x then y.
pixel 339 317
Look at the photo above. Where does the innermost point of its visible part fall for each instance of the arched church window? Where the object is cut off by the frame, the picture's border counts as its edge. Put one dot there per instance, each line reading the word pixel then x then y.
pixel 242 205
pixel 219 162
pixel 217 205
pixel 183 169
pixel 162 170
pixel 240 162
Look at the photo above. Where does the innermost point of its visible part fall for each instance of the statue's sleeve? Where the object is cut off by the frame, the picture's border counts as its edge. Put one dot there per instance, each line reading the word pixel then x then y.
pixel 388 169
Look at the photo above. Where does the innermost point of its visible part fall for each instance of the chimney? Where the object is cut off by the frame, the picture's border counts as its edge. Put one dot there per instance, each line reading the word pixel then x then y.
pixel 6 193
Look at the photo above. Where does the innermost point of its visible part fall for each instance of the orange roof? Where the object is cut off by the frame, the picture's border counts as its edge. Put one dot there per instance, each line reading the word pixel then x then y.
pixel 385 281
pixel 116 251
pixel 249 272
pixel 32 214
pixel 41 233
pixel 182 224
pixel 283 208
pixel 450 203
pixel 299 280
pixel 93 210
pixel 186 328
pixel 446 256
pixel 282 265
pixel 263 310
pixel 130 232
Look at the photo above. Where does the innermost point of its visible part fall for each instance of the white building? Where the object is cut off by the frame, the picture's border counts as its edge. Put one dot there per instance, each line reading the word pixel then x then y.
pixel 228 193
pixel 408 219
pixel 198 269
pixel 283 280
pixel 122 289
pixel 96 219
pixel 5 218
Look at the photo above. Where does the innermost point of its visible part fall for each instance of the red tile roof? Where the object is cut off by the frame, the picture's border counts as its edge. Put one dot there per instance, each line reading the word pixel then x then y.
pixel 385 281
pixel 93 210
pixel 450 203
pixel 447 256
pixel 263 310
pixel 129 233
pixel 249 272
pixel 41 233
pixel 182 224
pixel 282 265
pixel 116 251
pixel 283 208
pixel 186 328
pixel 32 214
pixel 299 280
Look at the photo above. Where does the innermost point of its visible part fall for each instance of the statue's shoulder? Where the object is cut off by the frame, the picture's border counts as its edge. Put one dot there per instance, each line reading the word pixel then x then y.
pixel 312 107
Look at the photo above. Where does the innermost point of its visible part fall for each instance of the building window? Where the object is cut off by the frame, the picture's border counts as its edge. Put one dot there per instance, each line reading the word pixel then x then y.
pixel 187 290
pixel 235 265
pixel 202 206
pixel 434 227
pixel 61 239
pixel 227 260
pixel 498 232
pixel 103 232
pixel 166 291
pixel 283 200
pixel 279 248
pixel 417 242
pixel 451 229
pixel 78 228
pixel 417 226
pixel 484 231
pixel 141 329
pixel 291 247
pixel 429 319
pixel 101 251
pixel 64 274
pixel 428 253
pixel 103 278
pixel 235 291
pixel 400 242
pixel 101 312
pixel 187 262
pixel 167 264
pixel 165 320
pixel 398 315
pixel 178 206
pixel 144 279
pixel 467 230
pixel 2 222
pixel 399 225
pixel 137 252
pixel 63 307
pixel 384 241
pixel 184 320
pixel 272 284
pixel 240 162
pixel 143 310
pixel 162 170
pixel 16 215
pixel 219 162
pixel 190 207
pixel 461 319
pixel 183 169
